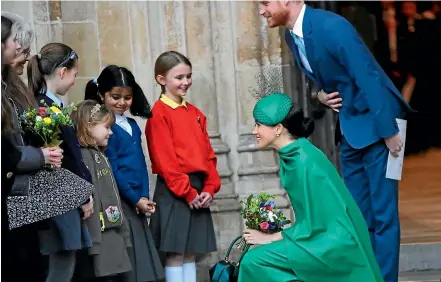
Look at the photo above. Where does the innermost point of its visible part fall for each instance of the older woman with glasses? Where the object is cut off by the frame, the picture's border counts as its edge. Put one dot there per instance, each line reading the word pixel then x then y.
pixel 24 36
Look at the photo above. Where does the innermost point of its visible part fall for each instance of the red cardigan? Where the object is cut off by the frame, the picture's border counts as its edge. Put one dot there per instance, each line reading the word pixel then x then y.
pixel 178 144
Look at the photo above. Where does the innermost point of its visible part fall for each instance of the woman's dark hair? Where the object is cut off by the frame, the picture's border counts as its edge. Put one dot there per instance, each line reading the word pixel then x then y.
pixel 297 124
pixel 168 60
pixel 15 89
pixel 6 28
pixel 115 76
pixel 51 57
pixel 6 107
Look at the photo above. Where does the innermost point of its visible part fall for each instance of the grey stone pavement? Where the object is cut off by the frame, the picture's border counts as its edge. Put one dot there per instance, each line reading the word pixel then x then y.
pixel 420 276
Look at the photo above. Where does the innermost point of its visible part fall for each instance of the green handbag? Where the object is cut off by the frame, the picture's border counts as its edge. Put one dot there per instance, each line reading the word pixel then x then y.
pixel 225 270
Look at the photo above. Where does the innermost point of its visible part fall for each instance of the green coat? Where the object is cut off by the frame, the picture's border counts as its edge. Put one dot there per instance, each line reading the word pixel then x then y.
pixel 329 241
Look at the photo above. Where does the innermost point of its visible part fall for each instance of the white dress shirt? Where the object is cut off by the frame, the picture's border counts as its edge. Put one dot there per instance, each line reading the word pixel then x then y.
pixel 298 30
pixel 124 123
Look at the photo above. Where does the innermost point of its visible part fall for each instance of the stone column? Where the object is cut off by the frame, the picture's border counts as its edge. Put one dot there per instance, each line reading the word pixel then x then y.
pixel 258 54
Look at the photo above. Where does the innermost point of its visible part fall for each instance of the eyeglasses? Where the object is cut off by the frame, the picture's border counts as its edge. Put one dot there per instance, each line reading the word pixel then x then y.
pixel 26 52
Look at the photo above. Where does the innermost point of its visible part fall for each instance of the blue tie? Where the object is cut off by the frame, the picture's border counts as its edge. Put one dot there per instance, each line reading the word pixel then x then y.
pixel 299 42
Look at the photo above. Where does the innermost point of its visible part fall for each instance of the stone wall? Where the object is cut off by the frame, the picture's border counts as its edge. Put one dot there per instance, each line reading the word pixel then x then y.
pixel 227 43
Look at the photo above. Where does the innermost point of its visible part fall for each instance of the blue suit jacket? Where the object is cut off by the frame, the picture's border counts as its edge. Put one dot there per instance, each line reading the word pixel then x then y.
pixel 128 163
pixel 341 62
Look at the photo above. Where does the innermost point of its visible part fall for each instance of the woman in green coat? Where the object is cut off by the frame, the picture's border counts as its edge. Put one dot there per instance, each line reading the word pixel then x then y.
pixel 329 241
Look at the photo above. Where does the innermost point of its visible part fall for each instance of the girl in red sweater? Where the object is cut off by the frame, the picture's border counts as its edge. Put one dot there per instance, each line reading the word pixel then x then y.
pixel 185 163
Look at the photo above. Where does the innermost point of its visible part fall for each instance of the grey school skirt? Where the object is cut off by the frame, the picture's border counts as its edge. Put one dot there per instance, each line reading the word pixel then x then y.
pixel 178 229
pixel 146 264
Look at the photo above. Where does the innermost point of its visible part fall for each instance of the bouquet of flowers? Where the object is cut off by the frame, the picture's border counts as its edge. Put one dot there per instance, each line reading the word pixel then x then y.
pixel 45 123
pixel 260 213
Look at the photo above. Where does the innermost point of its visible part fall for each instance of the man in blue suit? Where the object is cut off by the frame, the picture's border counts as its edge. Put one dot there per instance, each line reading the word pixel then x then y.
pixel 329 51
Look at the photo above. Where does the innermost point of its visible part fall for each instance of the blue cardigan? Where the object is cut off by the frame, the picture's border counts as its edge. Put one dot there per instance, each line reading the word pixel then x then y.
pixel 128 163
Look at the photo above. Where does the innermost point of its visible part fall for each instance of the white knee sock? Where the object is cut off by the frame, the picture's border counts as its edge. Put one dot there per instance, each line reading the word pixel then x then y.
pixel 189 272
pixel 174 274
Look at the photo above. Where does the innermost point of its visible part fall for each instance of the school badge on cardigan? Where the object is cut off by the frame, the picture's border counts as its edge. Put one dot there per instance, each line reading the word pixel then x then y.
pixel 113 214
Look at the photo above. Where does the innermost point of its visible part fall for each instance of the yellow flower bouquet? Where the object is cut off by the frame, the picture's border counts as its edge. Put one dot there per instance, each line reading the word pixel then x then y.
pixel 43 125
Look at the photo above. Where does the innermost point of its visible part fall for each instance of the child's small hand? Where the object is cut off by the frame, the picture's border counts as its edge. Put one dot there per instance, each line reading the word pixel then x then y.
pixel 144 205
pixel 87 208
pixel 196 203
pixel 151 207
pixel 206 199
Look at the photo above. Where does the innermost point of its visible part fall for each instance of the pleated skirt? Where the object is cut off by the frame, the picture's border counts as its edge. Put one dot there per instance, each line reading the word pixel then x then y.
pixel 178 229
pixel 146 264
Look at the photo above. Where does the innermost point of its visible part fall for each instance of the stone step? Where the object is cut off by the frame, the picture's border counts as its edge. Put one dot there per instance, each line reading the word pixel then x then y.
pixel 420 276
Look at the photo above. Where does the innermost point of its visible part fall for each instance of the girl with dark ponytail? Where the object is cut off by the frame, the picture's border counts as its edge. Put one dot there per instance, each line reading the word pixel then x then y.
pixel 115 77
pixel 327 218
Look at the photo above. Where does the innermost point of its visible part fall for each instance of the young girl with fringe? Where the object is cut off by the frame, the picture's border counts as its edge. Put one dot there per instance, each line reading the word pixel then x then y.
pixel 107 225
pixel 117 89
pixel 185 162
pixel 53 71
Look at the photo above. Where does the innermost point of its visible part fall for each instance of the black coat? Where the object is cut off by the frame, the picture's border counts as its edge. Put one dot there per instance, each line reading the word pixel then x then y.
pixel 20 249
pixel 11 156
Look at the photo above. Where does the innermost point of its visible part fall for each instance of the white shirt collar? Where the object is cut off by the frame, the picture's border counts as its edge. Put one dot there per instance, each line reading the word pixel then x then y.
pixel 120 118
pixel 54 98
pixel 298 25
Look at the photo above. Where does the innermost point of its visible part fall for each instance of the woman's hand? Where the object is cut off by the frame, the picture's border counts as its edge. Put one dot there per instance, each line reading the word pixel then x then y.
pixel 53 156
pixel 256 237
pixel 205 199
pixel 87 208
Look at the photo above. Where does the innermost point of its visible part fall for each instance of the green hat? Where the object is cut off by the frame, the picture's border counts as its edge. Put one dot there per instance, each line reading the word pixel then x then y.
pixel 272 109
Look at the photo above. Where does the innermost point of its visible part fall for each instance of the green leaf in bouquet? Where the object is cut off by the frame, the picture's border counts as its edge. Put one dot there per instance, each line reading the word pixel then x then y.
pixel 249 199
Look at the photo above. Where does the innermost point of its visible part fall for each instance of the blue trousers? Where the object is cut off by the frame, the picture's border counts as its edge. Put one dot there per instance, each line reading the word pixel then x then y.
pixel 364 173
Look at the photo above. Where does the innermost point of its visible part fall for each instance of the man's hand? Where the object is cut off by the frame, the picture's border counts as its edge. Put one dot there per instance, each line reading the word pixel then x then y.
pixel 394 144
pixel 331 100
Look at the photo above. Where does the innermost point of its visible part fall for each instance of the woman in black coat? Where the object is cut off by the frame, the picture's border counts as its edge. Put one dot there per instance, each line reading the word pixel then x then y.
pixel 21 253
